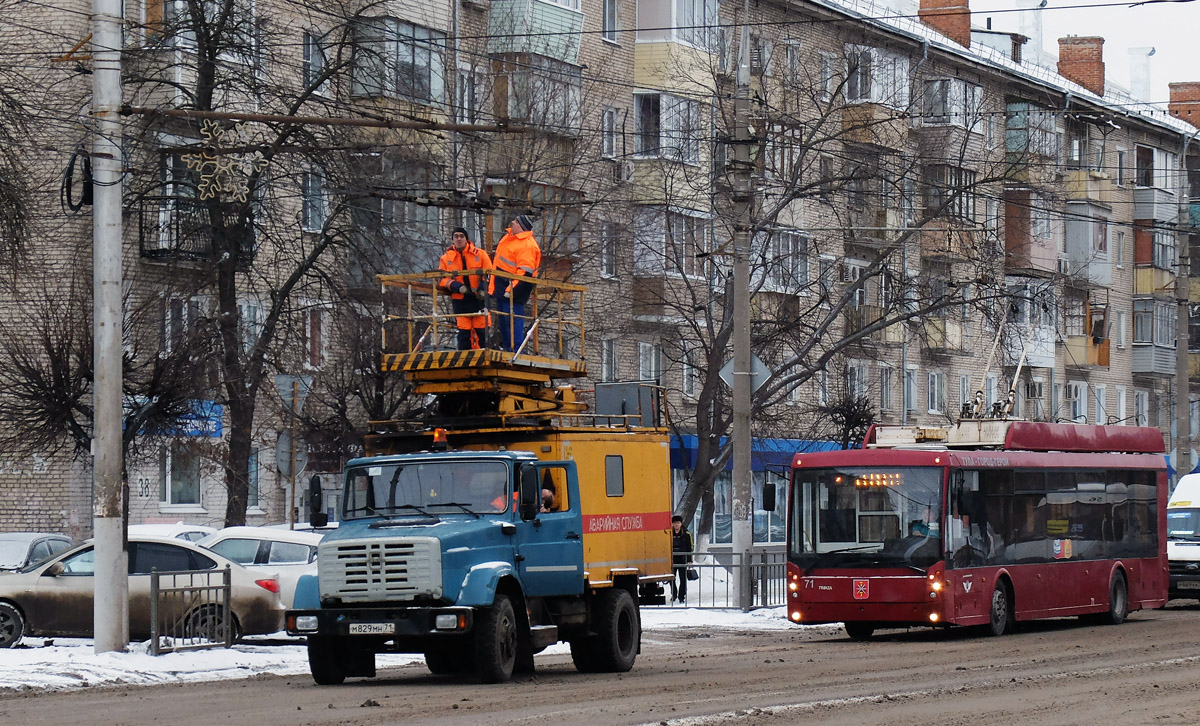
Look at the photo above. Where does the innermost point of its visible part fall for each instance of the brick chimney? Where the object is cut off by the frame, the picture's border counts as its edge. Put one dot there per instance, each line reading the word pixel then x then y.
pixel 1082 60
pixel 951 18
pixel 1185 102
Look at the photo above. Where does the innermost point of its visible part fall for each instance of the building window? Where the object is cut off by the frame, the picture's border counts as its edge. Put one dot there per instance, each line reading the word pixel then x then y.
pixel 1075 317
pixel 312 337
pixel 1154 322
pixel 686 243
pixel 541 91
pixel 250 323
pixel 1154 168
pixel 951 101
pixel 608 249
pixel 314 64
pixel 1035 394
pixel 936 392
pixel 784 260
pixel 609 21
pixel 1164 249
pixel 1141 408
pixel 668 126
pixel 314 203
pixel 856 379
pixel 608 360
pixel 1077 398
pixel 180 317
pixel 823 388
pixel 1121 406
pixel 696 23
pixel 1101 404
pixel 1119 248
pixel 470 88
pixel 179 474
pixel 649 362
pixel 396 59
pixel 252 481
pixel 1120 328
pixel 910 389
pixel 1121 179
pixel 608 133
pixel 829 76
pixel 950 192
pixel 1100 235
pixel 876 76
pixel 688 373
pixel 793 59
pixel 885 388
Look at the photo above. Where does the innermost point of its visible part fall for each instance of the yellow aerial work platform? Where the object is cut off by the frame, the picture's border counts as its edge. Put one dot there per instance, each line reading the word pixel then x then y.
pixel 418 340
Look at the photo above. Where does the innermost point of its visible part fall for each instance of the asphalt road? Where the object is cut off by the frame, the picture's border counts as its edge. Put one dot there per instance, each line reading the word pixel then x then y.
pixel 1145 671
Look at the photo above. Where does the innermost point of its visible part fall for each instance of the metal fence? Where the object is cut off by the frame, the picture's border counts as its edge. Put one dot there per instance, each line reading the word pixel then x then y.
pixel 718 573
pixel 190 610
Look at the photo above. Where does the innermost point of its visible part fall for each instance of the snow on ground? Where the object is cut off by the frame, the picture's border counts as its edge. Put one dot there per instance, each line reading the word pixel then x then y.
pixel 70 663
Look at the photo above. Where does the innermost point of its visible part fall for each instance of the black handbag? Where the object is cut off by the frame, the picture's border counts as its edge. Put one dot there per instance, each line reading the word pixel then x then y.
pixel 692 574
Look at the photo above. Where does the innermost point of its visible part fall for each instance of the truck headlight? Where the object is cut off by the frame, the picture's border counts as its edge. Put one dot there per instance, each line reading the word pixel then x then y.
pixel 446 622
pixel 306 622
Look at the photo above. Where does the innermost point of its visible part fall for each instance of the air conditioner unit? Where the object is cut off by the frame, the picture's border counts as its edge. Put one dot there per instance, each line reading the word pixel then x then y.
pixel 622 171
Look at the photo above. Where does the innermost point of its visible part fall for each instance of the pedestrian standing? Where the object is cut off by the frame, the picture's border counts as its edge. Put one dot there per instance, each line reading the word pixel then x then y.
pixel 517 253
pixel 681 557
pixel 468 292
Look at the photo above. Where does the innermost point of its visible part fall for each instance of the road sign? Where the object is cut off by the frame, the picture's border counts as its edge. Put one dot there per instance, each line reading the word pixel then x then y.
pixel 283 454
pixel 759 373
pixel 283 384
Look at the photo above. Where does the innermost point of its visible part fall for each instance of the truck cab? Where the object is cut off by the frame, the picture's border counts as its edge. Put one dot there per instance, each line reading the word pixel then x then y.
pixel 447 546
pixel 1183 538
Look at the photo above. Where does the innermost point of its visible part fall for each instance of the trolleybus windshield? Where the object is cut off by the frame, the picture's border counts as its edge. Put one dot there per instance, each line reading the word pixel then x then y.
pixel 866 517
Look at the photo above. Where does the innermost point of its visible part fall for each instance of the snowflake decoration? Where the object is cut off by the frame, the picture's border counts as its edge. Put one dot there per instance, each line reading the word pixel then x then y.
pixel 222 171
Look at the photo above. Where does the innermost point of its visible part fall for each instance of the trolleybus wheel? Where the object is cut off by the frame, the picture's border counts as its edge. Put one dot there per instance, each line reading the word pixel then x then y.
pixel 1118 600
pixel 1002 619
pixel 860 631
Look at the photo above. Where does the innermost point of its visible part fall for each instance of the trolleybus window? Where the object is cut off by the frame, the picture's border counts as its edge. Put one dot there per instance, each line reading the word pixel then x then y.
pixel 866 517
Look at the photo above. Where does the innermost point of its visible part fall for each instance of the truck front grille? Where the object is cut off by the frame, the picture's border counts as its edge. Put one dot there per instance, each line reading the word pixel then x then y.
pixel 380 569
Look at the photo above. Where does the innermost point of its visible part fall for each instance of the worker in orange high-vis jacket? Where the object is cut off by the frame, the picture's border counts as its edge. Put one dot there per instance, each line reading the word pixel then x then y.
pixel 468 293
pixel 517 253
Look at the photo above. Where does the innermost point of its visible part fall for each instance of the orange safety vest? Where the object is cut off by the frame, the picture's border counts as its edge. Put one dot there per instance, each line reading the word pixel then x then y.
pixel 471 258
pixel 517 254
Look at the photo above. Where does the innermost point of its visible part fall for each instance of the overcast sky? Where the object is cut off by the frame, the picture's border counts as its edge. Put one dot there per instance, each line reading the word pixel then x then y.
pixel 1172 28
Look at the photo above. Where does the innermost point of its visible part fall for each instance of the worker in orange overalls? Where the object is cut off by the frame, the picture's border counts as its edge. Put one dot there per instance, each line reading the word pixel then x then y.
pixel 468 293
pixel 516 253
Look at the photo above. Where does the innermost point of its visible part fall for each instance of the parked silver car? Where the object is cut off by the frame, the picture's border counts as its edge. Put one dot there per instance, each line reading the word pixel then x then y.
pixel 22 549
pixel 283 553
pixel 57 597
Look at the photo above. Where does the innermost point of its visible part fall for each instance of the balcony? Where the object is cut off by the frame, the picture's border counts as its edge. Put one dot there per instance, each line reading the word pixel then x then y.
pixel 943 335
pixel 1024 250
pixel 535 26
pixel 181 228
pixel 1194 366
pixel 1083 351
pixel 863 316
pixel 1154 359
pixel 1083 185
pixel 1148 280
pixel 1153 203
pixel 874 124
pixel 1034 342
pixel 949 240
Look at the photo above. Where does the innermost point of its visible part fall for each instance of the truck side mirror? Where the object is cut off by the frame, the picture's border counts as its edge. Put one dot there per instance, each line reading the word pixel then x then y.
pixel 530 492
pixel 768 499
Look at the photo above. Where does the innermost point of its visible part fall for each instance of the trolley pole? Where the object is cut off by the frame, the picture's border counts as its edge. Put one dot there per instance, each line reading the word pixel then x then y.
pixel 111 608
pixel 743 205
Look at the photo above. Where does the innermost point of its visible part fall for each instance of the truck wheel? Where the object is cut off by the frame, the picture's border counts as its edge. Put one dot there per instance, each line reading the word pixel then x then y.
pixel 448 659
pixel 618 631
pixel 326 660
pixel 496 641
pixel 583 654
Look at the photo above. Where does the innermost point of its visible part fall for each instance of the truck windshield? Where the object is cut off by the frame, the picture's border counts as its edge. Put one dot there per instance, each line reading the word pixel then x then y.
pixel 1183 524
pixel 866 517
pixel 427 488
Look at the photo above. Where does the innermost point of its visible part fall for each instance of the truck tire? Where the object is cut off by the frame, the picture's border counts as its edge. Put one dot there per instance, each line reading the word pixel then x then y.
pixel 496 641
pixel 326 660
pixel 618 631
pixel 449 659
pixel 583 654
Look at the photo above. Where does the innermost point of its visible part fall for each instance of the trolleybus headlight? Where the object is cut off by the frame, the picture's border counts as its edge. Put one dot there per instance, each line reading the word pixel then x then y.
pixel 937 586
pixel 933 617
pixel 796 615
pixel 793 586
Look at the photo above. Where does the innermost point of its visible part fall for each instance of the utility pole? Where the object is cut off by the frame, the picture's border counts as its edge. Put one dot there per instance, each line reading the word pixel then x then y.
pixel 743 206
pixel 111 607
pixel 1183 399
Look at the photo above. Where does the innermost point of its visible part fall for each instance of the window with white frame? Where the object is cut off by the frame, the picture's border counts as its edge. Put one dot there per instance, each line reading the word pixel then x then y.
pixel 964 390
pixel 608 133
pixel 1122 161
pixel 1155 168
pixel 696 23
pixel 951 101
pixel 314 202
pixel 610 20
pixel 1101 392
pixel 1193 415
pixel 608 360
pixel 1154 322
pixel 668 127
pixel 877 76
pixel 1141 408
pixel 1121 415
pixel 181 315
pixel 312 342
pixel 649 362
pixel 822 388
pixel 237 30
pixel 250 322
pixel 992 389
pixel 1075 316
pixel 936 392
pixel 688 373
pixel 1119 248
pixel 1164 249
pixel 784 259
pixel 854 272
pixel 687 241
pixel 179 475
pixel 608 249
pixel 252 489
pixel 825 274
pixel 1120 329
pixel 1035 398
pixel 829 75
pixel 910 389
pixel 542 91
pixel 470 94
pixel 950 191
pixel 1077 400
pixel 314 63
pixel 856 379
pixel 570 4
pixel 885 388
pixel 396 59
pixel 793 58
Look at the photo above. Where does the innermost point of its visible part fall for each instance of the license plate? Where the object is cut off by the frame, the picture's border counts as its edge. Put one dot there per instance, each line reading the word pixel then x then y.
pixel 1188 585
pixel 372 628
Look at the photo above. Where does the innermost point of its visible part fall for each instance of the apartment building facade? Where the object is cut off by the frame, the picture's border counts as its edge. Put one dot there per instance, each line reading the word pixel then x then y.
pixel 935 216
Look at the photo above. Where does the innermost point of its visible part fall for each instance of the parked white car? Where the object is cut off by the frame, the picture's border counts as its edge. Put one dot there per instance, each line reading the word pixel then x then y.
pixel 179 530
pixel 284 553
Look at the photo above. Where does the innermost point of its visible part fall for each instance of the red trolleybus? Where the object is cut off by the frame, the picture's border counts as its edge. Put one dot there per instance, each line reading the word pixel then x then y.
pixel 984 523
